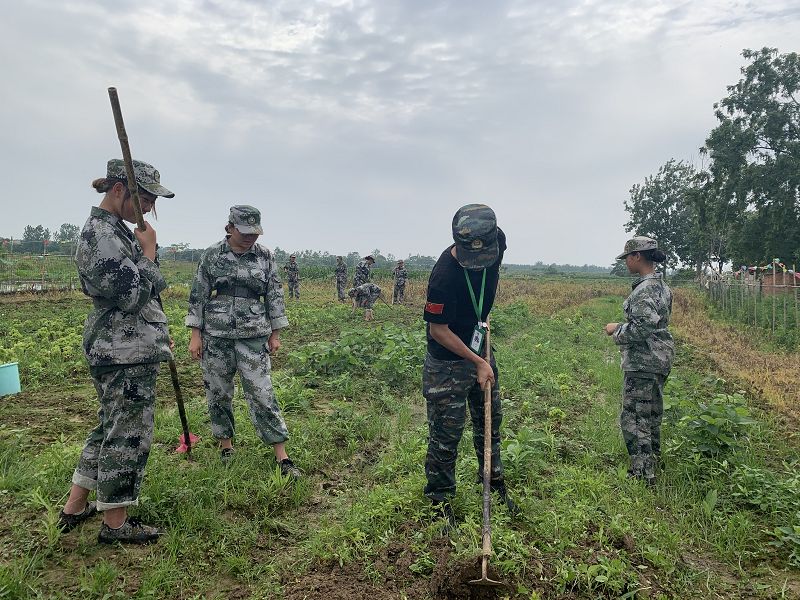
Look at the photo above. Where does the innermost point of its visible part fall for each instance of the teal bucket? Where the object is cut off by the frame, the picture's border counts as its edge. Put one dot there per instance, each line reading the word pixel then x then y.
pixel 9 379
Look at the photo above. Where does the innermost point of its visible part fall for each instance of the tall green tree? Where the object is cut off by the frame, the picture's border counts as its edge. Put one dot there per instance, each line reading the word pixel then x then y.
pixel 35 234
pixel 755 151
pixel 660 208
pixel 68 233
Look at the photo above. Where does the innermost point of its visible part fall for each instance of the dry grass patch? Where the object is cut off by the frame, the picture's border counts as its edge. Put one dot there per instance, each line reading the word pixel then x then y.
pixel 775 377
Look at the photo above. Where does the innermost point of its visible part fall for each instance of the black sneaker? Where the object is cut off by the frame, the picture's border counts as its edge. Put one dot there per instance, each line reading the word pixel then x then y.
pixel 133 531
pixel 70 522
pixel 226 455
pixel 289 470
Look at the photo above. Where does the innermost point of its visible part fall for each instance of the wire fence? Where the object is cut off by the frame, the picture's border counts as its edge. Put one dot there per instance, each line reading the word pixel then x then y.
pixel 37 273
pixel 769 301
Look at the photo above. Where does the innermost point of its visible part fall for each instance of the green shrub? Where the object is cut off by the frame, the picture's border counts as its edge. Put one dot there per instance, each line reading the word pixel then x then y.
pixel 710 427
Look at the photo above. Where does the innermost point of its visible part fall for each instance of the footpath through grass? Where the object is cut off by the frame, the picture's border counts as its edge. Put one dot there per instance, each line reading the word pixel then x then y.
pixel 722 521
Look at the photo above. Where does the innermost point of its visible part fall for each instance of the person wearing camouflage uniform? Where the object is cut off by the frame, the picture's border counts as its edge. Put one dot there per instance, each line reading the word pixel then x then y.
pixel 125 338
pixel 454 374
pixel 365 296
pixel 647 353
pixel 400 276
pixel 361 276
pixel 341 278
pixel 293 277
pixel 236 311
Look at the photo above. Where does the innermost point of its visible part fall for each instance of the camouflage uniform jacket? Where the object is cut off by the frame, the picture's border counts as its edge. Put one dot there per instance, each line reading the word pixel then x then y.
pixel 127 325
pixel 257 313
pixel 292 271
pixel 341 272
pixel 644 340
pixel 362 273
pixel 400 275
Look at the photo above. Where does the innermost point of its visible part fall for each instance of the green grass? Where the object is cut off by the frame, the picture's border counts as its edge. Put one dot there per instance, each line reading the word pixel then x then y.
pixel 350 391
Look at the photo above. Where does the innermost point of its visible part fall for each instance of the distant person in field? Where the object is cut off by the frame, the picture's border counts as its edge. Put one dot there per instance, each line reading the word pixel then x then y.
pixel 461 293
pixel 400 276
pixel 236 313
pixel 361 275
pixel 365 296
pixel 341 279
pixel 125 339
pixel 293 277
pixel 647 353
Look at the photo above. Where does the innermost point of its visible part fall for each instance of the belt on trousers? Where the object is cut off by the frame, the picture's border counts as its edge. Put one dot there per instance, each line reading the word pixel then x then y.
pixel 238 291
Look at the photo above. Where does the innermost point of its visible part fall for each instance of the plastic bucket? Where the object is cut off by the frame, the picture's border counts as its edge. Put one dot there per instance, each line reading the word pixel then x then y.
pixel 9 379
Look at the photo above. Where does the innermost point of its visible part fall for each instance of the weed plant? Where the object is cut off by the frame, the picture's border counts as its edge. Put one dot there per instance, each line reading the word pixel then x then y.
pixel 721 522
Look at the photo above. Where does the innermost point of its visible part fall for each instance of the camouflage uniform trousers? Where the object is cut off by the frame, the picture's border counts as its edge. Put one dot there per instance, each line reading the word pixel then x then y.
pixel 449 386
pixel 341 283
pixel 222 358
pixel 116 451
pixel 399 292
pixel 294 288
pixel 642 409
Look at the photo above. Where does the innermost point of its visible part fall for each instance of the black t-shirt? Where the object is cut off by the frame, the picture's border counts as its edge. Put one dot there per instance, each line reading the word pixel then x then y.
pixel 449 301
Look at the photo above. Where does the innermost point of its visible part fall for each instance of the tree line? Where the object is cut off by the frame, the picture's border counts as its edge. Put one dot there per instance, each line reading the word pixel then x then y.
pixel 741 204
pixel 38 239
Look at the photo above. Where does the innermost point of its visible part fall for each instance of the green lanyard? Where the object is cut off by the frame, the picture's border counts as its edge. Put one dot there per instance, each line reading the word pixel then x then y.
pixel 477 306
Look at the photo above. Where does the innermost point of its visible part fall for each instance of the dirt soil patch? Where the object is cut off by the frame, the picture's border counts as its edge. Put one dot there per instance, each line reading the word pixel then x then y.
pixel 449 580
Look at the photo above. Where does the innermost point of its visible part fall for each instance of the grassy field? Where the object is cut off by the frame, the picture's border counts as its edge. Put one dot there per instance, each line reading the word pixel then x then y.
pixel 723 521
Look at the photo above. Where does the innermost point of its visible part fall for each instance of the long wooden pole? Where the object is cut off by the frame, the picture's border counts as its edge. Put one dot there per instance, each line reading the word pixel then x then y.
pixel 133 187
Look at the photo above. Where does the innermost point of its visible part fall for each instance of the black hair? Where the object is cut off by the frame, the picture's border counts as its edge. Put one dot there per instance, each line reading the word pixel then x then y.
pixel 655 255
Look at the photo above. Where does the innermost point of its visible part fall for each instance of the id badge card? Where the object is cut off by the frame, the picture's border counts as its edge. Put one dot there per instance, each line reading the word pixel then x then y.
pixel 478 335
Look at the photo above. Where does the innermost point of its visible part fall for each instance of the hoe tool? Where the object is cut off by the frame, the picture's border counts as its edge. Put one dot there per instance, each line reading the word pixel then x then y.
pixel 187 438
pixel 487 475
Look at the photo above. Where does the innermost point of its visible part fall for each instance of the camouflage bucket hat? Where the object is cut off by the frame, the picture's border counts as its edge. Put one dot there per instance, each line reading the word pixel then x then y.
pixel 638 244
pixel 475 235
pixel 247 219
pixel 147 176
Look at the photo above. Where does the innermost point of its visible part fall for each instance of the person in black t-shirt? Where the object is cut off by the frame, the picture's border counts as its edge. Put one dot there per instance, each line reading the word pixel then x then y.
pixel 461 292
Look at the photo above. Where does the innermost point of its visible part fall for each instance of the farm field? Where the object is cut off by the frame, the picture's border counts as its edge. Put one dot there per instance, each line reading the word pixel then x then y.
pixel 722 522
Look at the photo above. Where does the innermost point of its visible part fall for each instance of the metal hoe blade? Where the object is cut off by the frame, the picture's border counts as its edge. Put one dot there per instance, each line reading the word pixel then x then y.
pixel 484 580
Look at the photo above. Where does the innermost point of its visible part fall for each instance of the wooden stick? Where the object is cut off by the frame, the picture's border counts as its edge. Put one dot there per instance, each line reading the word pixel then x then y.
pixel 133 188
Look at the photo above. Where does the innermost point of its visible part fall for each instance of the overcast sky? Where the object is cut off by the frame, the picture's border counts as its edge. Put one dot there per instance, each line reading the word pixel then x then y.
pixel 355 125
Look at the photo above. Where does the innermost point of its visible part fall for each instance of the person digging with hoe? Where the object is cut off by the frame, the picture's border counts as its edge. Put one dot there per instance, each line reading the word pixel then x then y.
pixel 125 339
pixel 460 295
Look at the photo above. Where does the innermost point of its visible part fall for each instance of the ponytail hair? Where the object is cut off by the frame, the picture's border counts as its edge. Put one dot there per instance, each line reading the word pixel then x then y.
pixel 656 255
pixel 104 184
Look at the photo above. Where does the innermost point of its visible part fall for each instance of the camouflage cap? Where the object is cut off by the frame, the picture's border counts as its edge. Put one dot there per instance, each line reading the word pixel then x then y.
pixel 475 235
pixel 247 219
pixel 639 243
pixel 147 176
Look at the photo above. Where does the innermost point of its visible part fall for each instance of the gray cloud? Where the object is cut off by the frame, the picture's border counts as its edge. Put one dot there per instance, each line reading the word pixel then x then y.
pixel 356 124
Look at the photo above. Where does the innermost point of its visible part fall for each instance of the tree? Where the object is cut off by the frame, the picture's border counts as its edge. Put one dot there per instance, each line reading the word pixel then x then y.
pixel 756 155
pixel 68 233
pixel 660 208
pixel 35 234
pixel 619 269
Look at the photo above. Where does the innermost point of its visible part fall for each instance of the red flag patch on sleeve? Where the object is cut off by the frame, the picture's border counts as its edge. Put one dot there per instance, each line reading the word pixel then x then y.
pixel 433 308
